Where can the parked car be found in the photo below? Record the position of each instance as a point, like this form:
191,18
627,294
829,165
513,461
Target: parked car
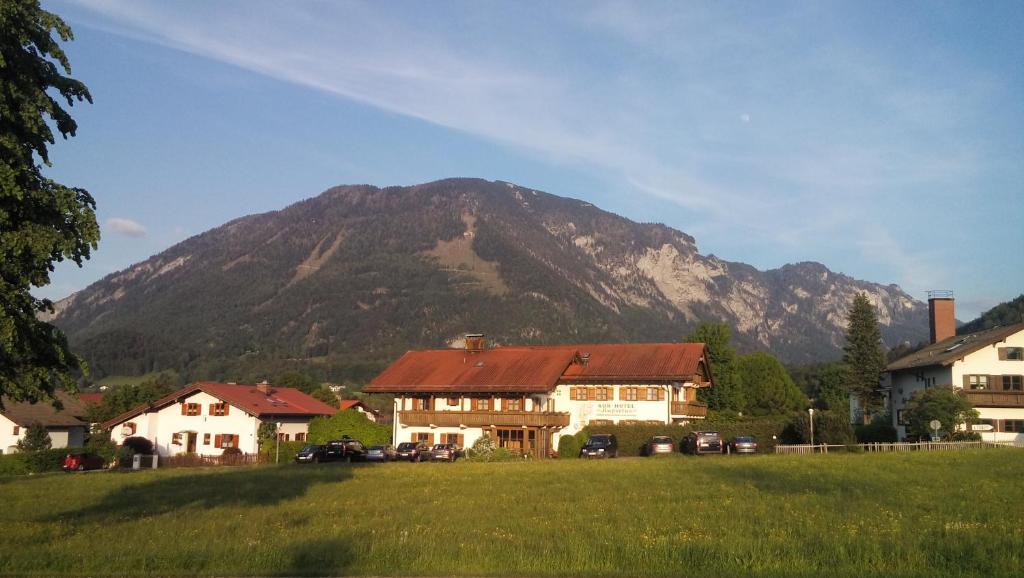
413,451
444,452
385,453
703,442
600,446
743,445
345,449
660,445
82,462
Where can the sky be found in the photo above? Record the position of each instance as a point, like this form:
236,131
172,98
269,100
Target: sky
885,140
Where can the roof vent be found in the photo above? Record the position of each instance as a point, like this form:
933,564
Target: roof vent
585,357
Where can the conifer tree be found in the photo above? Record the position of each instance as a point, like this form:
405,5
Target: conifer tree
727,394
863,356
36,439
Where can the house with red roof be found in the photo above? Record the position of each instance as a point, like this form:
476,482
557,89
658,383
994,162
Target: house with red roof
207,418
526,397
359,406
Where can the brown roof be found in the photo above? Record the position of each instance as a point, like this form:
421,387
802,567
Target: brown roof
953,349
351,403
25,414
536,369
248,398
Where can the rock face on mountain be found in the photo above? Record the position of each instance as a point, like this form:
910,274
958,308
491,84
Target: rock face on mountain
360,274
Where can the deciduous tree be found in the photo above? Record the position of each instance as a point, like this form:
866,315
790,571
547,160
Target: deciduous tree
41,221
943,403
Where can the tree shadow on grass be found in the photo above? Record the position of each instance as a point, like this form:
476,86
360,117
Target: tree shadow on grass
821,480
244,486
319,557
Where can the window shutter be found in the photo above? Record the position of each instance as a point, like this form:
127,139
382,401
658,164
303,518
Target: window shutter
591,393
227,407
234,441
1002,353
430,439
967,381
995,382
661,394
213,409
459,439
184,411
216,441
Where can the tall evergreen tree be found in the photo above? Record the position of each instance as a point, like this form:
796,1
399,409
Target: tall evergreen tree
727,393
863,356
41,221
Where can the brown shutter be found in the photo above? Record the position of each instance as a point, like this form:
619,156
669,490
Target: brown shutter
216,441
430,439
1002,353
227,407
661,394
995,382
967,381
213,410
183,410
459,439
591,393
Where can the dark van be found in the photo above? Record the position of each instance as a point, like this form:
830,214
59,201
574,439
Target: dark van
600,446
703,442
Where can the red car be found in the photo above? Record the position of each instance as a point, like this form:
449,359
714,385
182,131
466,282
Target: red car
82,462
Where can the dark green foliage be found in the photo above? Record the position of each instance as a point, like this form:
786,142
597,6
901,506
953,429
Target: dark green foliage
570,446
944,403
1007,313
48,460
880,430
863,356
137,445
830,427
823,383
121,398
286,450
36,438
266,433
727,394
13,465
99,443
297,380
767,387
349,423
324,394
41,221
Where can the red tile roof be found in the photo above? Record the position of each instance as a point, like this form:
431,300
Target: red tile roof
91,397
505,369
537,369
284,401
350,403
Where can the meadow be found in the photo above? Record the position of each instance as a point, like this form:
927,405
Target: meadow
928,514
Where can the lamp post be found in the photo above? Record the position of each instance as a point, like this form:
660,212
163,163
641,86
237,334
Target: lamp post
810,412
277,441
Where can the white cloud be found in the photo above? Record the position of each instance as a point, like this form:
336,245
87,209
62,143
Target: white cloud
126,227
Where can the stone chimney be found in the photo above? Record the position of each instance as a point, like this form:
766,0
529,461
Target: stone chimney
941,316
263,387
475,342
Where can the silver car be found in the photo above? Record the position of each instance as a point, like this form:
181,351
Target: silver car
659,445
743,445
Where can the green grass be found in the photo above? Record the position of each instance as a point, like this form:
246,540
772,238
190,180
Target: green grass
929,514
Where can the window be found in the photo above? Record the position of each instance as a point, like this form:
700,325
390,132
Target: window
899,417
1011,353
453,401
451,438
977,382
228,441
628,394
602,394
283,437
419,403
300,437
423,437
1013,382
176,439
482,404
1013,425
17,430
206,439
190,409
513,404
655,394
579,393
218,409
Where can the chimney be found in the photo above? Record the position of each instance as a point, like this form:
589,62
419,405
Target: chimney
941,317
263,387
475,342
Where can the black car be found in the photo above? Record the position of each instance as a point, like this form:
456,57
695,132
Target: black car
347,450
703,442
412,451
600,446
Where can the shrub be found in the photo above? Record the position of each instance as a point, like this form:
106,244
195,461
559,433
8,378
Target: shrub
288,450
137,445
232,452
36,439
50,460
13,465
100,444
830,427
965,436
569,446
349,423
880,430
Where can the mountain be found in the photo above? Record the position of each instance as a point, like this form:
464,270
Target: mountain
342,283
1003,314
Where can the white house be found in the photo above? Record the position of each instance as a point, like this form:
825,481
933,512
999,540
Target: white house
524,398
988,366
206,418
65,426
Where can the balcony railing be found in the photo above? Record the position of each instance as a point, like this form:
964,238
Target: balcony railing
483,418
995,398
689,408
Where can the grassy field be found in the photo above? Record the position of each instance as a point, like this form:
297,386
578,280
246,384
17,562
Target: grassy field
935,514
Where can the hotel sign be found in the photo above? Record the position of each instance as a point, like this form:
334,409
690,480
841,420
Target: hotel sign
615,410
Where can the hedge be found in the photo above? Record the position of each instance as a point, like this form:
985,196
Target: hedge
633,438
35,462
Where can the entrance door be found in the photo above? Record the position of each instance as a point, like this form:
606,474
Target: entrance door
191,445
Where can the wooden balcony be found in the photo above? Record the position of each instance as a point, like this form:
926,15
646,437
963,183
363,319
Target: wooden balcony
483,418
689,408
995,398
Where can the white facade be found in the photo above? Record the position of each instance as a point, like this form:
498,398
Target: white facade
901,384
173,431
60,437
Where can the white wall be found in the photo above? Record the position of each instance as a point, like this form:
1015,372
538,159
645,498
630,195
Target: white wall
65,437
905,382
9,441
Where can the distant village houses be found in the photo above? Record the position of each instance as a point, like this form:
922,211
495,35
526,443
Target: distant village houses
526,397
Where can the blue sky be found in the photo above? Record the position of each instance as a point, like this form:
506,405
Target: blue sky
885,140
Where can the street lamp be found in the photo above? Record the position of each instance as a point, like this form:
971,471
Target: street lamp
810,411
277,440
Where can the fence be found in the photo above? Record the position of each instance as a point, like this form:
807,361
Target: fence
893,447
196,460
